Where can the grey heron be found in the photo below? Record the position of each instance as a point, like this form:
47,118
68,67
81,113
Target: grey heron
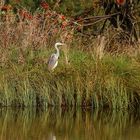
53,60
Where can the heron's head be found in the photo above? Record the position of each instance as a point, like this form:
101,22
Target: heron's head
59,44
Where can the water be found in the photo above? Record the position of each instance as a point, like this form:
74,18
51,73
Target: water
63,124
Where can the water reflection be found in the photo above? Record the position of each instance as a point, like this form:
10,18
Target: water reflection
62,124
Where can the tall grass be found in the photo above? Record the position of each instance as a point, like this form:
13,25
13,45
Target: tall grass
93,76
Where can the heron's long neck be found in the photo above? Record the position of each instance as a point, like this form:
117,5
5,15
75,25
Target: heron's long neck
57,50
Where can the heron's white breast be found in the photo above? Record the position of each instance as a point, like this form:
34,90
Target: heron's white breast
56,63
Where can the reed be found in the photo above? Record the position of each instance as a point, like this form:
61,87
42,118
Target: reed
93,76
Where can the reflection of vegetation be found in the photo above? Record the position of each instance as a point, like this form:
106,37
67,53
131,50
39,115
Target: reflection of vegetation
68,124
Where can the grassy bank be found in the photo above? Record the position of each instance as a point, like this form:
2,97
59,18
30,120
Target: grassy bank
113,81
94,76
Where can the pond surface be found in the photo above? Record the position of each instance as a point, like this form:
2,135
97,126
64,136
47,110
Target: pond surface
62,124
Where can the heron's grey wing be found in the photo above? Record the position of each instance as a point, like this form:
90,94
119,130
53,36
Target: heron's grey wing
53,60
